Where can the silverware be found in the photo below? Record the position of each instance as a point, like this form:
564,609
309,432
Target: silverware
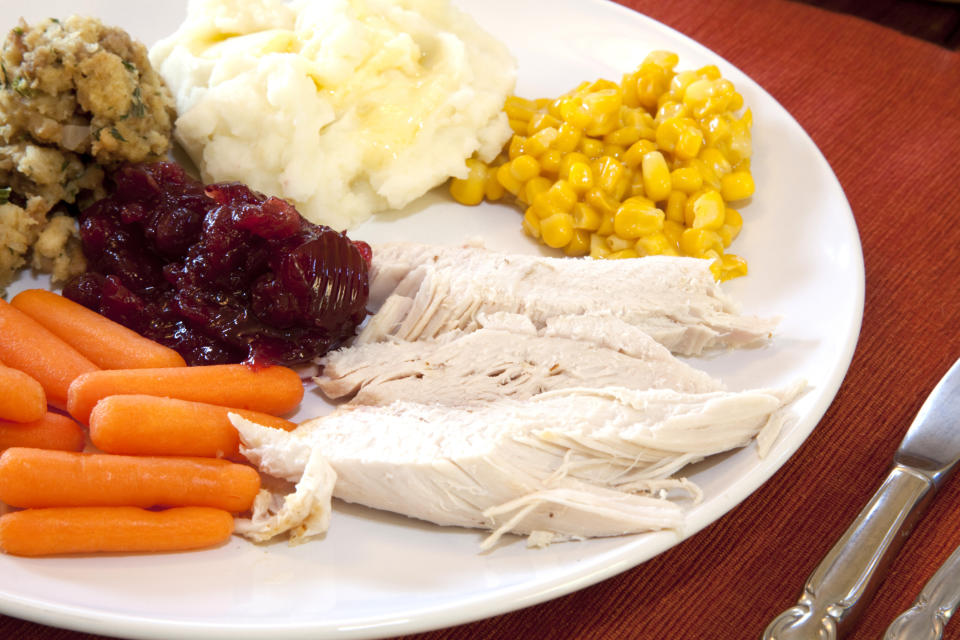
840,587
931,611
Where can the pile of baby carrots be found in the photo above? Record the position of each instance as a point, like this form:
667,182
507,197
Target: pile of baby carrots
167,474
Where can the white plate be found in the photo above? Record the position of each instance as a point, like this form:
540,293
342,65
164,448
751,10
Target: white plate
383,575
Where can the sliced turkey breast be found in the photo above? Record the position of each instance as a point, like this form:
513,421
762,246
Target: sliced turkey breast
423,291
573,463
506,358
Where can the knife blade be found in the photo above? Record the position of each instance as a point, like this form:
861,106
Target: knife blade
843,583
934,606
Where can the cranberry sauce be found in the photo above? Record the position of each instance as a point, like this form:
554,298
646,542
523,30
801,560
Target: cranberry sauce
219,273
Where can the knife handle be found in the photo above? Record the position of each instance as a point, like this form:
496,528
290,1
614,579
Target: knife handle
934,606
845,580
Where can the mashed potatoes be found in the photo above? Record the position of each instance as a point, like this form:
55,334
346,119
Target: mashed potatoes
344,107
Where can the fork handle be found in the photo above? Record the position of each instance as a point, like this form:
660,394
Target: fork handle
846,579
934,606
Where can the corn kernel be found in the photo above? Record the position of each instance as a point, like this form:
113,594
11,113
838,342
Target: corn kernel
686,179
506,179
673,230
732,223
557,230
586,217
616,243
571,109
708,177
700,243
531,223
606,224
622,254
613,150
633,156
708,211
736,102
568,137
654,244
710,72
736,186
716,130
598,246
518,126
624,136
610,171
524,167
550,162
469,190
580,177
679,136
636,184
728,266
715,159
562,195
676,204
579,244
492,189
656,176
622,186
679,84
637,217
601,201
704,97
652,80
516,146
603,102
539,142
569,159
591,147
541,121
533,188
519,108
669,110
665,59
733,218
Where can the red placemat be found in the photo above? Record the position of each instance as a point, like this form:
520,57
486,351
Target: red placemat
885,110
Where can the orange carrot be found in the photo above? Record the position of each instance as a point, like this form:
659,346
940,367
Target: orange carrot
26,345
52,431
148,425
21,397
273,390
106,343
43,532
46,478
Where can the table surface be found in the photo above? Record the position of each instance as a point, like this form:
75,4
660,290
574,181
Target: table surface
883,107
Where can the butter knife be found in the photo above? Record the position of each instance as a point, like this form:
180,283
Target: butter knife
934,606
839,588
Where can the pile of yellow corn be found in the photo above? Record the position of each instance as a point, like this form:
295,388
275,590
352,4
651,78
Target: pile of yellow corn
645,167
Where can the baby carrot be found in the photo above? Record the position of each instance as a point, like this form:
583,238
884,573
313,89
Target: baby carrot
46,478
148,425
43,532
21,397
273,390
26,345
52,431
106,343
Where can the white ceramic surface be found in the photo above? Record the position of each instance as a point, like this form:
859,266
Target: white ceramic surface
381,575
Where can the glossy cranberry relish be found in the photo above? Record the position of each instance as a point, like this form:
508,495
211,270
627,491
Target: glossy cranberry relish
219,273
